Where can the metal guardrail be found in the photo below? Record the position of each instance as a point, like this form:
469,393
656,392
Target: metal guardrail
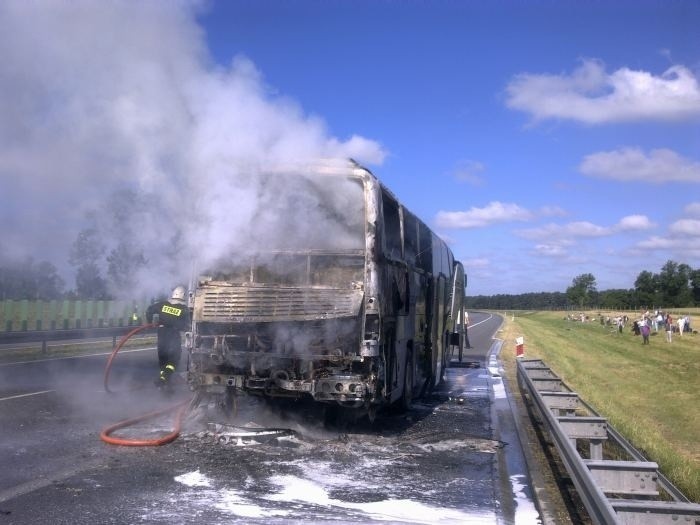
46,336
613,491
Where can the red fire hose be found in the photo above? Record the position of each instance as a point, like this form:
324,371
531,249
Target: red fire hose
128,442
123,340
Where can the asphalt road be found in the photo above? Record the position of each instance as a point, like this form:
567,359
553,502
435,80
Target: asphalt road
453,458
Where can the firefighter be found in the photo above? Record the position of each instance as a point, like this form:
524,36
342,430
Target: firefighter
173,318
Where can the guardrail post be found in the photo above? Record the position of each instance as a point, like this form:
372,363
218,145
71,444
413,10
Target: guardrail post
44,346
540,372
547,385
561,403
631,478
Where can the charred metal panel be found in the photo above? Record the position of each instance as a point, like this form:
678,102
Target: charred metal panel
240,303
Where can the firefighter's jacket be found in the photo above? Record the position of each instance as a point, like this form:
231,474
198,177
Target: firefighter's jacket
170,314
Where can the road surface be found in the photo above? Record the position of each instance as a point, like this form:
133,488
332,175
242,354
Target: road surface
453,458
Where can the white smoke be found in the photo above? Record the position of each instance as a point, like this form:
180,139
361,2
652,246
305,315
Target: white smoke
116,108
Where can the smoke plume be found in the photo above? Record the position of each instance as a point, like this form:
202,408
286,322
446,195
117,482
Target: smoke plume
114,116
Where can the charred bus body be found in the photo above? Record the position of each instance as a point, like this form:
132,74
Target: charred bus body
363,315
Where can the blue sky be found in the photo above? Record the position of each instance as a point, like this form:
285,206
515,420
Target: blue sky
541,139
435,84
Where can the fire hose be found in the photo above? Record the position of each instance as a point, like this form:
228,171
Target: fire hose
105,435
130,442
122,341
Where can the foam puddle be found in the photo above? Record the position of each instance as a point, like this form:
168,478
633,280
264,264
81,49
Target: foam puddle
315,500
295,489
193,479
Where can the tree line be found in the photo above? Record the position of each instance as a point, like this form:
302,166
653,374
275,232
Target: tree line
97,272
104,257
29,279
676,285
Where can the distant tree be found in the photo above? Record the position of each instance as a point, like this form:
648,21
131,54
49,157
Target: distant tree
85,255
123,263
617,299
49,284
128,212
646,287
89,283
27,280
674,284
582,291
695,286
11,281
526,301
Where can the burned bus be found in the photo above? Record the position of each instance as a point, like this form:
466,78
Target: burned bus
347,299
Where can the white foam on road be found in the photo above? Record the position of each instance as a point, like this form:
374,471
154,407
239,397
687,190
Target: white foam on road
193,479
314,493
295,489
525,511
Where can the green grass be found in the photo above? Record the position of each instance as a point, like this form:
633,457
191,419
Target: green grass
649,393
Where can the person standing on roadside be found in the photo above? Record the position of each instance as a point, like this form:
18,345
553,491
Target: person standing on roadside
645,333
681,325
669,328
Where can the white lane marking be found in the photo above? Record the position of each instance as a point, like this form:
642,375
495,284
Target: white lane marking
26,395
482,321
75,357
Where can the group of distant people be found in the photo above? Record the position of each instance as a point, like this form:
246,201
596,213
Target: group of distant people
665,321
658,320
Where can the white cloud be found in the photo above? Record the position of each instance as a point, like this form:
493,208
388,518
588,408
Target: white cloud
632,164
683,248
682,239
693,209
592,96
634,222
551,250
495,212
657,243
686,227
569,230
585,229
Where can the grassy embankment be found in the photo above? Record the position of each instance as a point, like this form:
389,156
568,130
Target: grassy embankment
649,393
